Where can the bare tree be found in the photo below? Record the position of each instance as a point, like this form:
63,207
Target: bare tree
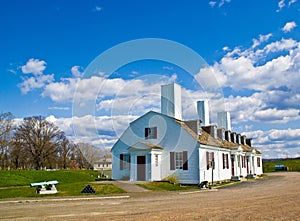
88,154
6,126
66,152
41,141
19,159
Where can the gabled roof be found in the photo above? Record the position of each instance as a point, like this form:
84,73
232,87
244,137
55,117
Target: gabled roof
207,139
140,146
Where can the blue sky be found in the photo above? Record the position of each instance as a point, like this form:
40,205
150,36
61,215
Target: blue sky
252,49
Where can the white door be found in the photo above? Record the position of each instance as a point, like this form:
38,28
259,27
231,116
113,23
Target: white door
155,167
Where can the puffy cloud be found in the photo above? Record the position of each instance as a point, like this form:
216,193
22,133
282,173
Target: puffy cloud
35,82
34,66
277,143
258,69
289,26
284,135
269,107
101,131
61,91
273,115
269,72
76,71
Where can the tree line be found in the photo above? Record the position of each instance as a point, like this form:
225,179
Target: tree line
36,143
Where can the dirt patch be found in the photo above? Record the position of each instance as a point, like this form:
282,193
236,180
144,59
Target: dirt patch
272,198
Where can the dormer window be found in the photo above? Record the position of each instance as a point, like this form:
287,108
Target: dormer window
150,133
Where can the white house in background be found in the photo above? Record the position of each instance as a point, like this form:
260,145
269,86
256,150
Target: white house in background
158,145
103,164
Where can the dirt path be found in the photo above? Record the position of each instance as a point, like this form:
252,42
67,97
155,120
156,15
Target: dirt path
274,198
129,187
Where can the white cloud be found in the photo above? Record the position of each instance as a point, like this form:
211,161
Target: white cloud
222,2
34,66
35,82
284,135
62,91
225,48
277,143
219,3
261,39
101,131
268,72
258,69
76,71
273,115
292,2
281,4
212,3
289,26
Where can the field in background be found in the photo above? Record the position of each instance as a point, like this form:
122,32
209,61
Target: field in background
292,164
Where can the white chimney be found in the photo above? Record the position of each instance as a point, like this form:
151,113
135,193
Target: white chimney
224,120
171,100
203,112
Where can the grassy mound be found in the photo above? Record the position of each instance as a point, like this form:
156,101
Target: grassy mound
14,184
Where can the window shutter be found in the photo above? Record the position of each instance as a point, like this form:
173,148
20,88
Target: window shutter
223,157
155,132
227,163
213,159
207,160
172,162
121,161
242,161
185,160
146,133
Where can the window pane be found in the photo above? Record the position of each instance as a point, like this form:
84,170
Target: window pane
151,133
179,160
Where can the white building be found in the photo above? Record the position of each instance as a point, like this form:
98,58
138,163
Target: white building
104,164
158,145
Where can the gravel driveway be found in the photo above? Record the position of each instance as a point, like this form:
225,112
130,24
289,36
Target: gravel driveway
276,197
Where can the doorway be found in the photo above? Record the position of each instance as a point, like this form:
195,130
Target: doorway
141,168
232,166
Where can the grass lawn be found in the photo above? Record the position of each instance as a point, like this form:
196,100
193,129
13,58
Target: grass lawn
158,186
292,164
14,184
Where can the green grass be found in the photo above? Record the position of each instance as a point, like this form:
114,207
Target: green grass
14,184
159,186
292,164
25,177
